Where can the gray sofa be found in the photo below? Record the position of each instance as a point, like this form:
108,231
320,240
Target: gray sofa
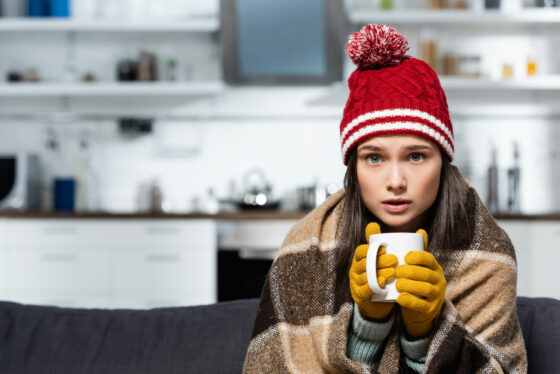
201,339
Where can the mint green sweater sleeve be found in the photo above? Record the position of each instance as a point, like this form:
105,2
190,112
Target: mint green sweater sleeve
415,352
367,338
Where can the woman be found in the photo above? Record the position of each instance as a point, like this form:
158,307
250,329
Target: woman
456,311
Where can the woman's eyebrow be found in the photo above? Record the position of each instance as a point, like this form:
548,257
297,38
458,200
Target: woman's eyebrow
417,147
370,148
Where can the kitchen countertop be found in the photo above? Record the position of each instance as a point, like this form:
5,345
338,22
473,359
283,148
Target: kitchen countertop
241,215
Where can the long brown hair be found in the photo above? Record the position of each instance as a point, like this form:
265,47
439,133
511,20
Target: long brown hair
445,222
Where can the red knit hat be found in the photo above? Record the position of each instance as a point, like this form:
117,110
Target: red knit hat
391,93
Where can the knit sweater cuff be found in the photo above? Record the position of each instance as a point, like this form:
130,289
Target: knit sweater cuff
415,352
415,349
369,330
366,338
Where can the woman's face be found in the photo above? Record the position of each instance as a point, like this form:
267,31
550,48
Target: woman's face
399,179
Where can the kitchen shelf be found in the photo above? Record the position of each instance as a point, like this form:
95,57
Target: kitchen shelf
198,24
536,83
339,94
420,17
223,216
111,89
220,216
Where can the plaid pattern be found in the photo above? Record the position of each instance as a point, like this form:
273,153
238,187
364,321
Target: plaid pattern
304,312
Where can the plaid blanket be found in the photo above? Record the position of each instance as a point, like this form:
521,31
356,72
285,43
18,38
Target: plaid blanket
304,312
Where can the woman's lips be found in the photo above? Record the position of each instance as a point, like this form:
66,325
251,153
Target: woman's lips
396,206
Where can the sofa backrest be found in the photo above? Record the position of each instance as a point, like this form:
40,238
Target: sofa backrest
540,323
202,339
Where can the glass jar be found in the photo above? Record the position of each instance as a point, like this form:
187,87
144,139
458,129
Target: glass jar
531,66
469,66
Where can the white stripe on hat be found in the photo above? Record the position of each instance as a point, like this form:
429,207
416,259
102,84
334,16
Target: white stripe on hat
396,112
415,126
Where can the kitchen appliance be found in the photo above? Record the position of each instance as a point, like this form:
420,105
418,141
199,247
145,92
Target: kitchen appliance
492,201
246,250
310,197
271,42
258,192
20,181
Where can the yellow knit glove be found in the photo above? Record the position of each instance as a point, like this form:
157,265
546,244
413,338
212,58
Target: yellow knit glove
361,293
422,286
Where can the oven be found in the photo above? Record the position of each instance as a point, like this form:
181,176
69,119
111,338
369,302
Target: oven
246,250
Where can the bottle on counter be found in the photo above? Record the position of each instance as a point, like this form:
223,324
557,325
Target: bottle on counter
492,4
87,189
147,67
450,64
428,48
531,66
37,8
156,197
507,71
386,4
492,199
59,8
469,66
171,72
60,173
513,182
13,8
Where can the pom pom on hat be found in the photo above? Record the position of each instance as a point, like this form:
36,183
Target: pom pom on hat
376,46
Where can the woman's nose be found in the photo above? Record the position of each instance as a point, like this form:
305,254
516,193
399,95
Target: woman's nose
396,179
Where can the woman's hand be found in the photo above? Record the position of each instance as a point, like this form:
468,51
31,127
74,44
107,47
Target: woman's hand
421,284
361,293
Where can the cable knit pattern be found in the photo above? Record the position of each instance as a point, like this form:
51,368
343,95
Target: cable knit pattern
412,90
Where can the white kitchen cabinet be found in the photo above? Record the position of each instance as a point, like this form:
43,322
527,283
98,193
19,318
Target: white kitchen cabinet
58,268
537,246
124,263
178,268
545,257
519,233
4,260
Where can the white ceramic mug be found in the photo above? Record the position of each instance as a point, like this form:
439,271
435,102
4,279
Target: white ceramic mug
398,244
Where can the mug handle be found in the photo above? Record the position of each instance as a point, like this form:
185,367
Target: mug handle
371,265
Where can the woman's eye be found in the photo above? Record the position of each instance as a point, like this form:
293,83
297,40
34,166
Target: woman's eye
416,157
374,159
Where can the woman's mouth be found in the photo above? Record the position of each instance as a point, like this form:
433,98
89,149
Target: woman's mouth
396,205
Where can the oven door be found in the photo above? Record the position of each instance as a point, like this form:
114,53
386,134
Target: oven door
242,272
246,250
7,180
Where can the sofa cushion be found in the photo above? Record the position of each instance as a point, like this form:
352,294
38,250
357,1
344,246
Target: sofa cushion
540,322
201,339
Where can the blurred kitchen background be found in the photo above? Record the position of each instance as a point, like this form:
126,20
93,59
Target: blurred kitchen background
156,152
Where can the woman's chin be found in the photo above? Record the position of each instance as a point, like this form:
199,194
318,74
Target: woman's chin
397,224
